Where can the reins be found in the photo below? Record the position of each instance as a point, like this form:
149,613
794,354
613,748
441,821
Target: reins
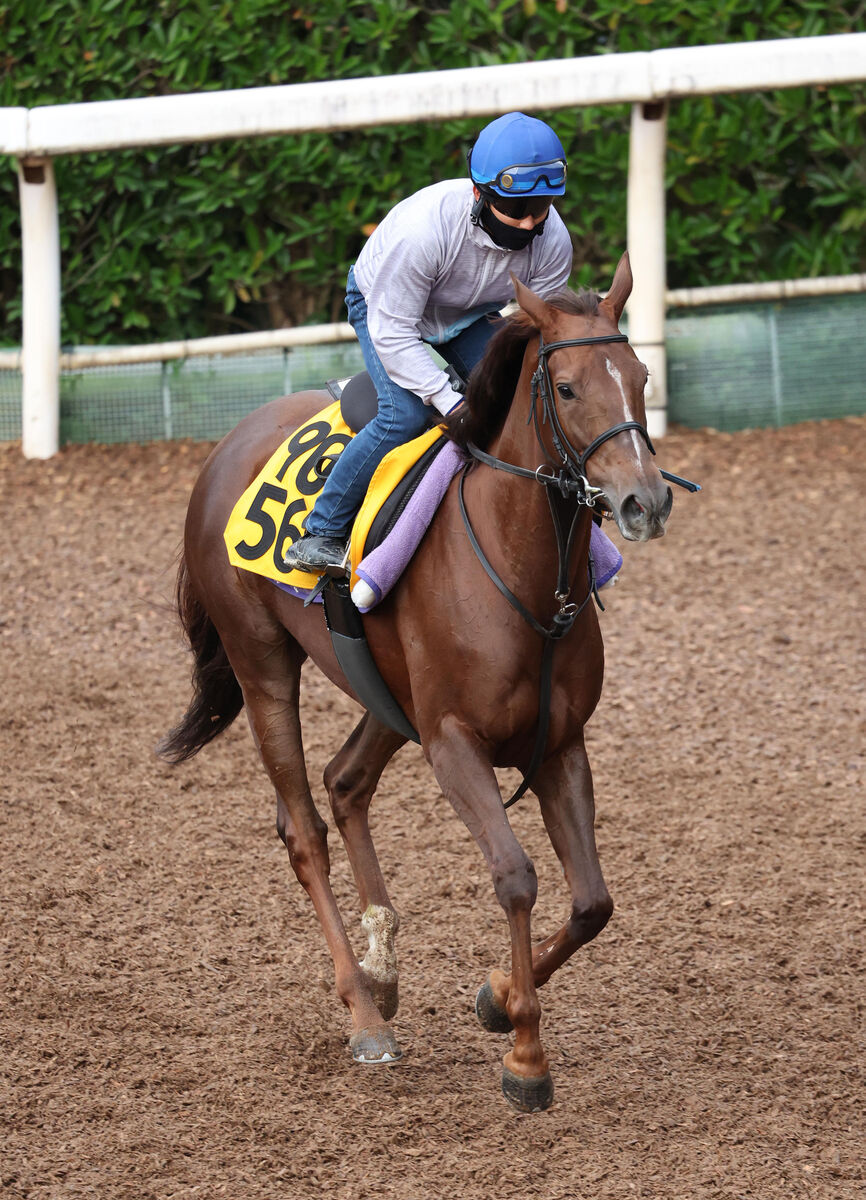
569,478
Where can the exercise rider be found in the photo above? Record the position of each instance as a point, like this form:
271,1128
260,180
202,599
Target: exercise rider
437,270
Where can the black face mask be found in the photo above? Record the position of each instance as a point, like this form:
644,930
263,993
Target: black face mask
506,236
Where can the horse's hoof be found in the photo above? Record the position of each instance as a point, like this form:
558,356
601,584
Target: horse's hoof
493,1018
527,1095
375,1046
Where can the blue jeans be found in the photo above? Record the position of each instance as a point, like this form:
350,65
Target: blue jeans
401,416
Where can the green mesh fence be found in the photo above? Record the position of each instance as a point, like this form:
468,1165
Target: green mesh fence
744,366
10,406
732,367
201,398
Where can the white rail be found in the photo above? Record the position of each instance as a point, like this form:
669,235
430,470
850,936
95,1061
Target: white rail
232,343
433,95
342,331
647,80
783,289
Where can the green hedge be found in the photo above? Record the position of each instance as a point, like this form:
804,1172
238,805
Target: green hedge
191,240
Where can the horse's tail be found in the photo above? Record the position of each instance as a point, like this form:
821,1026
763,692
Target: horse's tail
217,697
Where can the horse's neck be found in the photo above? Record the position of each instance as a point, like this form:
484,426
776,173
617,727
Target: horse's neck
517,441
525,439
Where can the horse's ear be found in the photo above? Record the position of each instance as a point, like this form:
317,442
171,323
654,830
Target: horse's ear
620,290
534,307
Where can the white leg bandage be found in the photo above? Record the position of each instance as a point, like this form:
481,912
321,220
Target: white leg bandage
380,925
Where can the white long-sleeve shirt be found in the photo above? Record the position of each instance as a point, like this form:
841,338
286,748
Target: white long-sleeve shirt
427,273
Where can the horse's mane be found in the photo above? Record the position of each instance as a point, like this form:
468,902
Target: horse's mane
494,380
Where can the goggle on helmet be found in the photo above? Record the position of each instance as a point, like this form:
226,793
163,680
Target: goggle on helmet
518,157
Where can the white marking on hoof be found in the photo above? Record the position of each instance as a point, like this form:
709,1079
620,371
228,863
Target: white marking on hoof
384,1058
373,1047
380,925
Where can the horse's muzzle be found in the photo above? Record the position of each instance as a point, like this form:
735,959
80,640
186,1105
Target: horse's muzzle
642,514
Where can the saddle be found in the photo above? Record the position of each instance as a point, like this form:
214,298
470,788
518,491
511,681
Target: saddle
359,402
270,514
357,397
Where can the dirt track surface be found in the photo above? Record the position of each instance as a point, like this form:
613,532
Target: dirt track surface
168,1022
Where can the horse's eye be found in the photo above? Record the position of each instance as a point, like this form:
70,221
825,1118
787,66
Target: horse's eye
565,391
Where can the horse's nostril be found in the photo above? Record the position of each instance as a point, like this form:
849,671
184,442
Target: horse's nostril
632,510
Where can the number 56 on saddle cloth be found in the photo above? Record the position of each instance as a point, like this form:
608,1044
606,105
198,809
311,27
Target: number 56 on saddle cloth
270,514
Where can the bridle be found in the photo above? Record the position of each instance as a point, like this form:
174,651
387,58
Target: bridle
568,477
570,473
573,462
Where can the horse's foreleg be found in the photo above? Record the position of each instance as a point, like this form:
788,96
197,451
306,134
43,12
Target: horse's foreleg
564,789
351,779
466,777
269,675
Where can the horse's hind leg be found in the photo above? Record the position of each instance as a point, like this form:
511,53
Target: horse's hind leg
351,778
268,669
564,789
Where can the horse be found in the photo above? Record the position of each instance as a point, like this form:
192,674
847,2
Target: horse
492,617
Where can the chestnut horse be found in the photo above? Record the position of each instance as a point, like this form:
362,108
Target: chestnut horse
501,573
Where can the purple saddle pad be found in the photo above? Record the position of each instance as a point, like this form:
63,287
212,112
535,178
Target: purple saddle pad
382,567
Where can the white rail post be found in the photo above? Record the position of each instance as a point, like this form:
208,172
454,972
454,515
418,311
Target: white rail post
40,357
646,248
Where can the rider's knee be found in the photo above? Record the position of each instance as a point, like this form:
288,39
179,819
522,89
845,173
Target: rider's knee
408,427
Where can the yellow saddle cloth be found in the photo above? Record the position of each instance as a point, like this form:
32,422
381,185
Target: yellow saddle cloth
270,514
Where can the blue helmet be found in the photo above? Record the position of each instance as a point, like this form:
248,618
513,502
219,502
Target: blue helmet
516,155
